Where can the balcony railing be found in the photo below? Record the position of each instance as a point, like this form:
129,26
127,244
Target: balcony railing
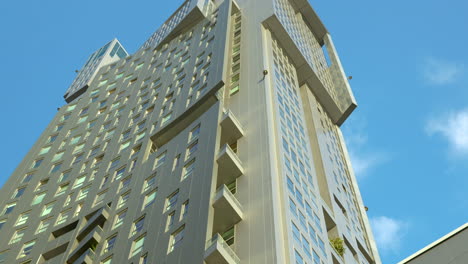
218,251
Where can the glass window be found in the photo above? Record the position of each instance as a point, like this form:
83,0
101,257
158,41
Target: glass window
137,246
37,163
79,182
2,223
47,209
9,208
58,156
63,217
194,133
27,248
176,238
64,176
83,193
110,242
38,198
119,219
299,259
138,225
100,198
19,192
27,177
119,173
149,199
185,209
44,150
107,261
123,199
192,149
150,183
172,200
160,159
17,236
188,169
170,220
43,225
22,219
56,167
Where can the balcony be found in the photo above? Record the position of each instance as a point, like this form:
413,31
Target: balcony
87,257
228,210
218,252
229,166
87,243
231,129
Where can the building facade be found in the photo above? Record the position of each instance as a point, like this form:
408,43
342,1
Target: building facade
218,141
449,249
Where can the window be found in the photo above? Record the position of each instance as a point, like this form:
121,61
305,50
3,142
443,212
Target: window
22,219
292,207
110,242
17,236
188,169
43,225
150,183
299,259
38,198
170,220
137,246
9,208
41,185
176,238
166,118
144,259
64,176
79,182
107,261
19,192
37,163
2,222
125,183
123,199
26,250
3,256
306,246
192,149
78,209
78,158
119,219
140,135
58,156
185,209
149,199
125,145
100,198
194,133
75,140
27,177
44,150
171,200
119,173
83,193
56,167
63,217
160,159
47,209
296,233
136,150
138,225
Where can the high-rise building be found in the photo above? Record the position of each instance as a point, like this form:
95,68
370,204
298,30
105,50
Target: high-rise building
218,141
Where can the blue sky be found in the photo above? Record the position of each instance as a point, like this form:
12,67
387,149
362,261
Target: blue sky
408,138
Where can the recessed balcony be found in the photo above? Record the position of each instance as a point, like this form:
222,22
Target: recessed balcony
218,252
228,210
229,165
231,129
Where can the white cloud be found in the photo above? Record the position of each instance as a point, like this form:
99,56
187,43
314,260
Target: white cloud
363,156
388,232
439,72
454,127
